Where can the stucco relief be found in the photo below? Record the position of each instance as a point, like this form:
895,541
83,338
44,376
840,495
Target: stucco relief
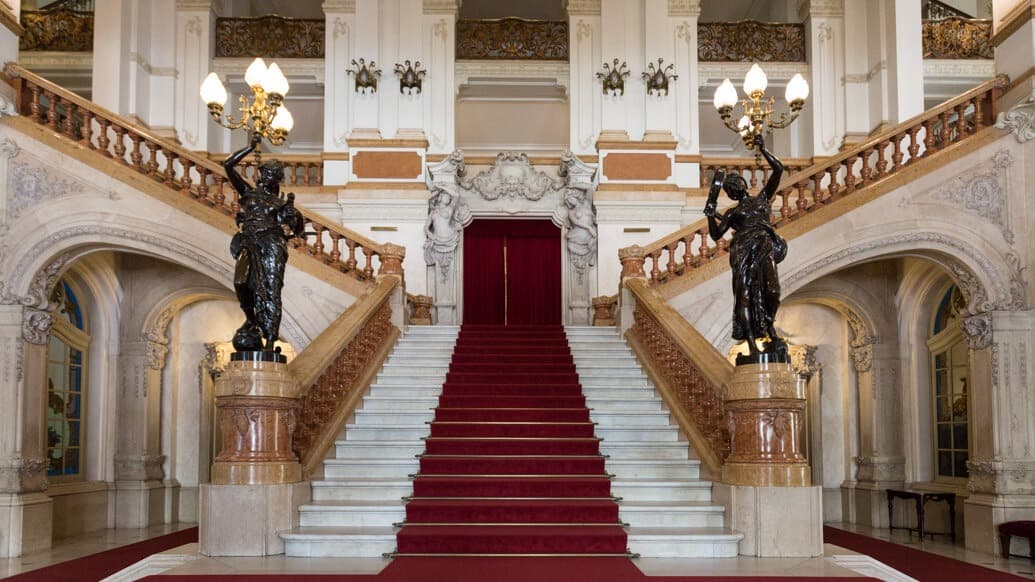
448,214
977,331
982,191
577,215
1019,120
511,176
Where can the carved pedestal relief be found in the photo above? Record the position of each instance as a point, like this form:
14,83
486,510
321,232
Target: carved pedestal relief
511,187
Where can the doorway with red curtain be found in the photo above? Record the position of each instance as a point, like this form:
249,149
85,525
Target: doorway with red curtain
512,272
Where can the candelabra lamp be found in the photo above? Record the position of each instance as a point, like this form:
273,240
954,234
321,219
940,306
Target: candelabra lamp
263,113
757,110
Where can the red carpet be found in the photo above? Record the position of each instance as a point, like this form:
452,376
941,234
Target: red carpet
913,562
511,465
104,564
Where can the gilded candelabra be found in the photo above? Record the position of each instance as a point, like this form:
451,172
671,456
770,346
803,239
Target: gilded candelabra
758,117
264,113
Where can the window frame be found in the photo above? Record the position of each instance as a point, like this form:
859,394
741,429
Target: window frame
943,343
77,339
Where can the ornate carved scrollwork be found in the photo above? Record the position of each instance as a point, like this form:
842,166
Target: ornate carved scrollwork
958,38
696,396
612,78
512,38
411,77
658,78
365,74
750,40
340,378
60,30
270,37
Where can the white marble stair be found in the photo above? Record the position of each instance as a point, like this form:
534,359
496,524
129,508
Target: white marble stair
667,505
357,503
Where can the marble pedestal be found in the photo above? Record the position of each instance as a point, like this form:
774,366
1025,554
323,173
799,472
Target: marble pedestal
26,520
243,520
256,477
777,522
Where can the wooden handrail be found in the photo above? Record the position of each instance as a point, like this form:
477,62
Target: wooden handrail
337,367
828,181
194,175
688,371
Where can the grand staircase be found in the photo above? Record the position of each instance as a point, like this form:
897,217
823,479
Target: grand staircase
522,440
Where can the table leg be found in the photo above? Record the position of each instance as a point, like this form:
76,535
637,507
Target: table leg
1004,544
952,517
891,514
920,518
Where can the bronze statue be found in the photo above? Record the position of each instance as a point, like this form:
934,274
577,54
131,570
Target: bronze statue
755,250
260,248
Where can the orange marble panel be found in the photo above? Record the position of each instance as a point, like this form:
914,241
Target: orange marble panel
637,166
376,165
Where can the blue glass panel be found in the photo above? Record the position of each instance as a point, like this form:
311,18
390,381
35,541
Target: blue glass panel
71,461
945,463
74,428
73,411
959,462
944,313
54,465
75,314
75,357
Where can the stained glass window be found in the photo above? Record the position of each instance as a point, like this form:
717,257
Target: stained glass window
950,368
66,385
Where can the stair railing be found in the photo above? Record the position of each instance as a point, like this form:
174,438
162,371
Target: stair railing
338,367
689,373
688,250
193,176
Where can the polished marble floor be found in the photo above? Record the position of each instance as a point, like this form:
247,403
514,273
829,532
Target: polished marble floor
100,541
943,546
84,545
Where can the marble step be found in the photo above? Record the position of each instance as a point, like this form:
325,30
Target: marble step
352,514
319,542
421,389
400,468
630,418
664,490
609,371
397,416
638,434
356,432
409,378
675,515
613,359
379,490
593,393
615,382
378,402
625,404
377,450
654,468
647,451
659,542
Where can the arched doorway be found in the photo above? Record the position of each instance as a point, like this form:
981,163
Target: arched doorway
512,272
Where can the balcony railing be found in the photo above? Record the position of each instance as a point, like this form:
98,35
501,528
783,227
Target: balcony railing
512,38
270,37
59,28
750,40
958,38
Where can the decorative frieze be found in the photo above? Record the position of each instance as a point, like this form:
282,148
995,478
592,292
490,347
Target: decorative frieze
512,38
21,475
58,30
139,467
270,37
750,41
958,38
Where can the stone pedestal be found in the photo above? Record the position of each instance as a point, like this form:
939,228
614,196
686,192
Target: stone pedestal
422,305
777,522
257,402
256,477
244,520
765,403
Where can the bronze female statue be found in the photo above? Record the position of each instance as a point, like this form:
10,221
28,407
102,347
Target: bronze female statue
755,250
260,248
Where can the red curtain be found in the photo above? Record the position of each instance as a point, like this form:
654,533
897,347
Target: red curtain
524,286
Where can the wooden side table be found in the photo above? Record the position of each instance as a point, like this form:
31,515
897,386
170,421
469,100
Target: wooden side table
920,499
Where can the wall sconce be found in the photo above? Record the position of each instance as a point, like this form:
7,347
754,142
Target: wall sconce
658,78
411,77
613,77
366,76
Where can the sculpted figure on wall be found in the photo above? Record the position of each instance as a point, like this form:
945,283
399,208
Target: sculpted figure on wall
755,250
260,248
447,215
577,214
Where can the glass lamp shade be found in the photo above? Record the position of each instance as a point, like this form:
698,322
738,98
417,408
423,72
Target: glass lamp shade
725,95
282,121
256,73
755,81
212,90
797,89
274,82
744,125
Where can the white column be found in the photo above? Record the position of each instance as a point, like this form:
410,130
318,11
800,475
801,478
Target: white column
622,31
112,40
905,58
440,53
860,38
153,67
682,32
139,495
584,59
1013,30
195,41
388,95
824,31
10,30
338,90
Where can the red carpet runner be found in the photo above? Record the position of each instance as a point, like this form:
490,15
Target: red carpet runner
512,465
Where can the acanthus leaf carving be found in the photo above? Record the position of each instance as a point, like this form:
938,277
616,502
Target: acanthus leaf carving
977,330
511,175
1019,120
862,358
36,326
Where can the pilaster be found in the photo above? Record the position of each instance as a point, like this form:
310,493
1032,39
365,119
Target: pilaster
438,100
112,38
905,58
338,89
825,45
139,491
1013,35
195,45
10,30
682,29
